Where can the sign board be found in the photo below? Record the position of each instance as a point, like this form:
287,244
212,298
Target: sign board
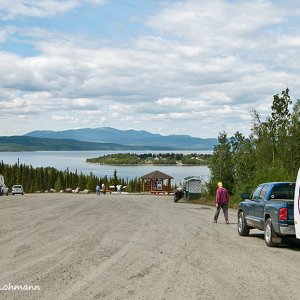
297,206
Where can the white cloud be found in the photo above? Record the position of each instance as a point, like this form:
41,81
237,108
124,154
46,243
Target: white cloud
211,21
42,8
169,101
67,118
204,63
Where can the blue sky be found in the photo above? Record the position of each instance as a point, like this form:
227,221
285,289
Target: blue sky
169,67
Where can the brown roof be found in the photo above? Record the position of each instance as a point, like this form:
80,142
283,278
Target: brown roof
156,175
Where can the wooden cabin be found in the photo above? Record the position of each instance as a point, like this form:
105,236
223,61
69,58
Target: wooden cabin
156,182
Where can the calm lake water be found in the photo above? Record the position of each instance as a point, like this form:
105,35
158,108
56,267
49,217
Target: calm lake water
76,160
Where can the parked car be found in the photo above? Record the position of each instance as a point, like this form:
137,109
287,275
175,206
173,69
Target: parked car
269,208
17,189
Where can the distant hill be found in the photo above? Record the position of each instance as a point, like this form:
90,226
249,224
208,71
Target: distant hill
129,137
28,143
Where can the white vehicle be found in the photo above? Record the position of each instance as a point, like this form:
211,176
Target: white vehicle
17,189
297,206
3,187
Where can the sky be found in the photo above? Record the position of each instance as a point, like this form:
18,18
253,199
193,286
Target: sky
194,67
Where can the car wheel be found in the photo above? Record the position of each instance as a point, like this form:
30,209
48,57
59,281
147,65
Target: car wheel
271,238
243,228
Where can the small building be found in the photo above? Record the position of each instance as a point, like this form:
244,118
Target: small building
192,187
156,182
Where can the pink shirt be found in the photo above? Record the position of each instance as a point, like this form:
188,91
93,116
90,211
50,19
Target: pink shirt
222,196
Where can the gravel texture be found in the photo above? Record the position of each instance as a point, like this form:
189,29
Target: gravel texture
76,246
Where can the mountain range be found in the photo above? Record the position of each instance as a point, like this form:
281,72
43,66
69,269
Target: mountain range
105,138
130,137
28,143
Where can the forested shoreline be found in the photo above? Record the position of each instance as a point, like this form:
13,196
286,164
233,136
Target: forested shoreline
48,178
152,159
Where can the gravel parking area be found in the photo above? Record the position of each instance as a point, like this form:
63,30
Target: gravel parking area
76,246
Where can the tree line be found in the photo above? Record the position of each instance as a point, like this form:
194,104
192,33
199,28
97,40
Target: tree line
46,178
270,153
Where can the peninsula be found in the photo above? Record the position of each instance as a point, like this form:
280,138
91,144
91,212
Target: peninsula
152,159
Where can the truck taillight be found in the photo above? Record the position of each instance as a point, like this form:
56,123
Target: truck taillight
283,214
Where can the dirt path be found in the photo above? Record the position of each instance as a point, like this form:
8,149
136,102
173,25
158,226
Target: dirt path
135,247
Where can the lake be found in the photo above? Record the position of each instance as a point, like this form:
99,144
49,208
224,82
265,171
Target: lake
76,160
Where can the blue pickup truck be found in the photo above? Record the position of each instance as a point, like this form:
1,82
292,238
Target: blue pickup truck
269,208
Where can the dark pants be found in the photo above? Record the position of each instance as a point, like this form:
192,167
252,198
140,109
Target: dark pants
225,211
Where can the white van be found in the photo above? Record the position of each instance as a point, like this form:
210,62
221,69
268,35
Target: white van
297,206
3,188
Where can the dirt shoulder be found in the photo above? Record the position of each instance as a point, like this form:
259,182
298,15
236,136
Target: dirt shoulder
75,246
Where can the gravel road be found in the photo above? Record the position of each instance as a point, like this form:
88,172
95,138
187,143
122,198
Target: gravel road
75,246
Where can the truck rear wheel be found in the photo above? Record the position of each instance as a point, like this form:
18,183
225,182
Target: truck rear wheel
271,238
243,228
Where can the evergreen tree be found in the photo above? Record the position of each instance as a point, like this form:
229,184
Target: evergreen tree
294,157
273,141
221,165
115,178
92,181
243,158
58,185
279,123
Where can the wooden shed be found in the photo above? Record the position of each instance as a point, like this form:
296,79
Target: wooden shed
156,182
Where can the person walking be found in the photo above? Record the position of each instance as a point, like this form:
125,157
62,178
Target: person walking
222,199
103,188
98,190
119,189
